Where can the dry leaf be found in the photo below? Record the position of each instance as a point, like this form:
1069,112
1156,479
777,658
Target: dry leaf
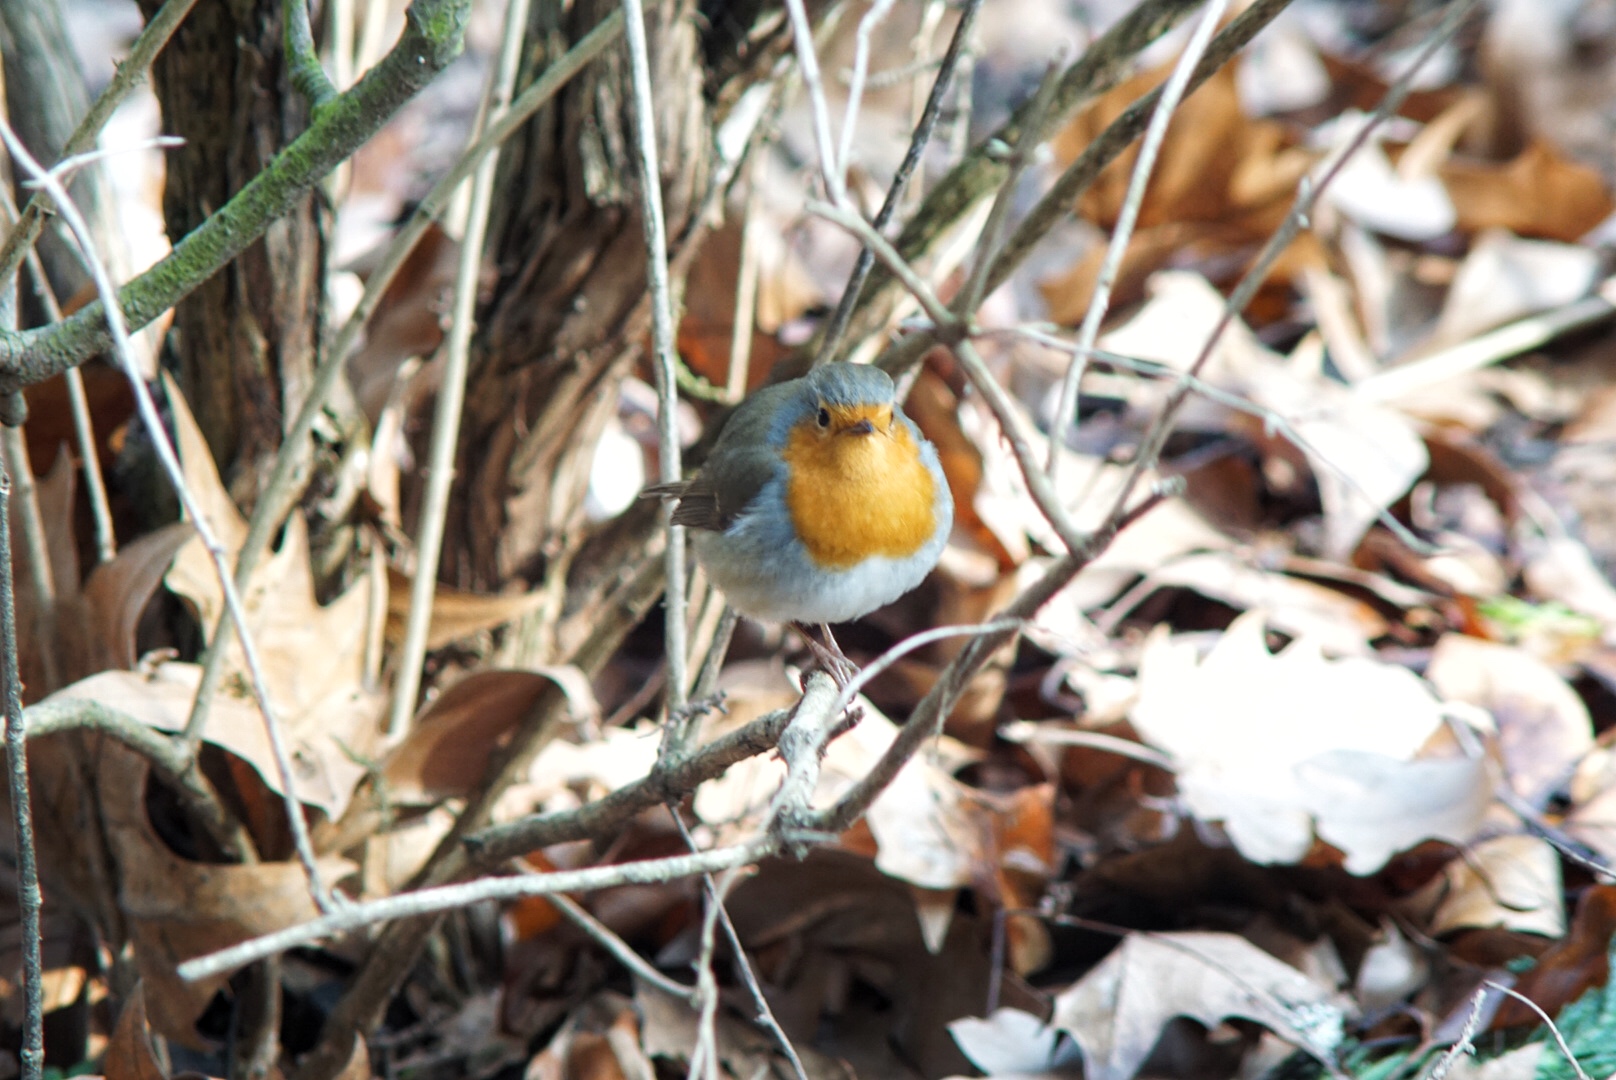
178,909
1543,726
129,1053
455,614
1117,1011
1539,193
314,657
1280,747
324,773
1511,882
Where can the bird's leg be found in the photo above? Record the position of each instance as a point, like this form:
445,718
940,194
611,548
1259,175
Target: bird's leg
829,654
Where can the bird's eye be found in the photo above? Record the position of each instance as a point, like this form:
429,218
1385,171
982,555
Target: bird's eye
824,417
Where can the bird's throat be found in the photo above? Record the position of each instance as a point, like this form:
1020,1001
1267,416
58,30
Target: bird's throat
853,496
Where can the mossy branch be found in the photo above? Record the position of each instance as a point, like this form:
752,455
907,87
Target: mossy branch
434,32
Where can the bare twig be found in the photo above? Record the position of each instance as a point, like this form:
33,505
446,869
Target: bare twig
918,141
95,487
440,471
675,630
873,17
606,815
169,760
619,948
802,33
1017,159
1548,1021
302,62
147,409
1056,203
356,916
32,1054
41,576
1144,164
716,891
433,35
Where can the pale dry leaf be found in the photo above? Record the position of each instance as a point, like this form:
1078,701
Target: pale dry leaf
1280,747
1562,569
1117,1011
314,657
1512,882
1009,1041
1543,725
324,773
1392,969
455,614
1376,196
1341,624
1505,278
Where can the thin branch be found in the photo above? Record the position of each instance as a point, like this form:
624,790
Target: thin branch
169,760
1548,1020
980,173
36,545
716,892
302,62
880,664
290,471
610,813
675,628
1122,233
1019,157
802,34
443,898
1062,195
873,17
452,386
1007,413
881,248
918,142
619,948
32,1053
130,74
153,423
95,486
433,34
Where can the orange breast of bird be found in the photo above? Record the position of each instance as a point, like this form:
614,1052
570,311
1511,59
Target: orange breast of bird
855,496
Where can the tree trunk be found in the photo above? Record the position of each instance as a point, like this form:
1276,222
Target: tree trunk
243,344
570,309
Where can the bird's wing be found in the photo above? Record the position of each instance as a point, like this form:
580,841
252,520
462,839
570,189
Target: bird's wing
715,497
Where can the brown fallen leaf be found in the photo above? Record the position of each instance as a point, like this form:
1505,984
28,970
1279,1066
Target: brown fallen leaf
178,909
1117,1011
455,614
1539,193
129,1053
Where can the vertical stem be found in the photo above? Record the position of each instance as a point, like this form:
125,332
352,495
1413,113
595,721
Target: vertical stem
28,898
662,342
452,391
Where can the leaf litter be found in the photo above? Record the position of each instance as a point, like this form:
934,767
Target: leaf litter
1271,777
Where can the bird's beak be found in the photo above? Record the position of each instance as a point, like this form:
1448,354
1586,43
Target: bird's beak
863,427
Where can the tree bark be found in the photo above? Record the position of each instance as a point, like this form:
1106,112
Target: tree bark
244,343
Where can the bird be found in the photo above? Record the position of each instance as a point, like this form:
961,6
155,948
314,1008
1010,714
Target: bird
819,503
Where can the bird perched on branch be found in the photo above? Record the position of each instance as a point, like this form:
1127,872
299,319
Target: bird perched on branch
819,503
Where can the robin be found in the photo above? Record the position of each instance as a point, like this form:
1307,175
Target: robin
820,501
